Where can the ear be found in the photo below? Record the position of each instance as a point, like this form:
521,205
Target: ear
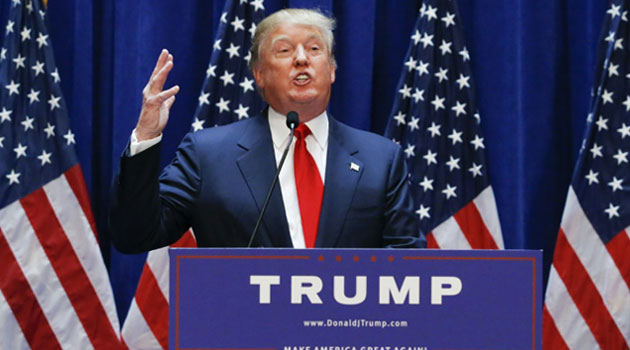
258,76
333,69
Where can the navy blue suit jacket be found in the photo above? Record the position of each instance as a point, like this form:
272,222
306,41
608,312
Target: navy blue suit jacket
219,179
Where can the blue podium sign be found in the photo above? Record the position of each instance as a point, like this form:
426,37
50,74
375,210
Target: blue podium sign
355,299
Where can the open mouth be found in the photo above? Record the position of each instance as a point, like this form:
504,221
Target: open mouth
302,79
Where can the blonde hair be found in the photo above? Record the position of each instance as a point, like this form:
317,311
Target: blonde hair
309,17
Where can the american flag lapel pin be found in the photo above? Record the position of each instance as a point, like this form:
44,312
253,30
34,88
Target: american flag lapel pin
354,166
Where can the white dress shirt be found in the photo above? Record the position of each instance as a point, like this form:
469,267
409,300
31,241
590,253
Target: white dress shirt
136,146
316,144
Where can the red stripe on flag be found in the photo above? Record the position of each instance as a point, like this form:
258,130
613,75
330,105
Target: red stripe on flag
23,302
585,295
618,248
552,339
68,268
124,345
187,240
74,176
153,305
431,242
473,227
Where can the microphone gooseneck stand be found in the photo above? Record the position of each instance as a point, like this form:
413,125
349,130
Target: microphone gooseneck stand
292,122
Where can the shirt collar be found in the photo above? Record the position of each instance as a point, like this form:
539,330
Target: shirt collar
280,134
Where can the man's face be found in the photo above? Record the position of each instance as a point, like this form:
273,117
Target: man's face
295,72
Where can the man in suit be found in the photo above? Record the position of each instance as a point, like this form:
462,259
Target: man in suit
340,187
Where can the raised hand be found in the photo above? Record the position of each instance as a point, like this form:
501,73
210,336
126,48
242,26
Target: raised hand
156,103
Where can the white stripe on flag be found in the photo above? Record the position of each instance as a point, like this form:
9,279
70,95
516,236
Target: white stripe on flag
487,207
566,315
136,332
600,267
448,235
83,241
158,261
43,280
12,337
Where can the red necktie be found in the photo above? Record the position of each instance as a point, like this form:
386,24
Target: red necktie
308,183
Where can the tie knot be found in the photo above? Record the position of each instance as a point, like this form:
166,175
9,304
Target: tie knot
302,131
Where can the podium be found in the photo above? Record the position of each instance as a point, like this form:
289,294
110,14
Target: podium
355,299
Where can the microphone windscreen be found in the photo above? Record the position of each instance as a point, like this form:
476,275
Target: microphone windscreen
292,120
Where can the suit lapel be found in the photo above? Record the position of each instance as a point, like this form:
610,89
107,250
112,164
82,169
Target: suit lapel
258,167
341,181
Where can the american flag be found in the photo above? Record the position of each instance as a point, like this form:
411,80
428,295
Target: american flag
55,291
587,304
228,94
436,121
146,325
229,91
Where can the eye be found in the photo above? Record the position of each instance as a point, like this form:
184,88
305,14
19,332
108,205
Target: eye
281,48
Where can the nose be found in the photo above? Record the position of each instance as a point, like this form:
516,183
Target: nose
300,56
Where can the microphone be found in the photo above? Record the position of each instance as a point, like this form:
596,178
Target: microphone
292,122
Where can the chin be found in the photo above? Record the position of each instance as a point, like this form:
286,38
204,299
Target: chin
304,98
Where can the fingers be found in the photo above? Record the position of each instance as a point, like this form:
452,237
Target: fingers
157,82
160,62
169,102
167,94
155,102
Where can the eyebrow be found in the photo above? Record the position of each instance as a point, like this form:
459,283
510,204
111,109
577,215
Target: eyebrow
286,38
